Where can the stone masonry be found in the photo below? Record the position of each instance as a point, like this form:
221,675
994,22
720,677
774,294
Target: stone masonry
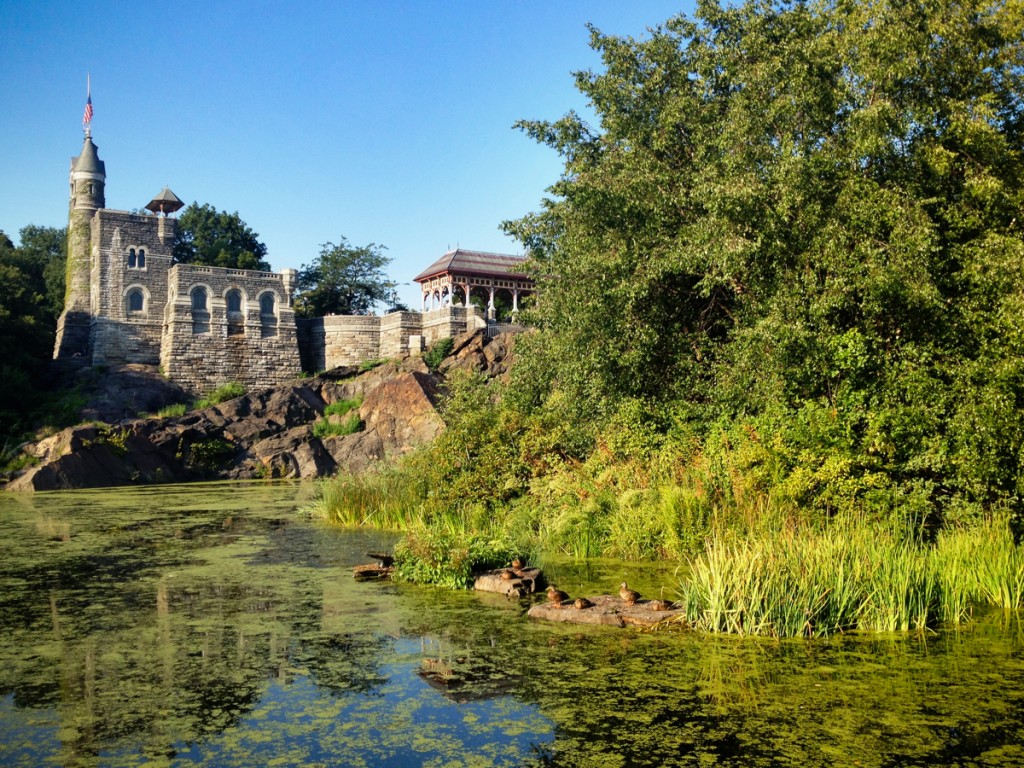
250,339
328,342
128,303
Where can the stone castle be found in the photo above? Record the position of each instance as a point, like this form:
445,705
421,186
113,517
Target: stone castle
128,302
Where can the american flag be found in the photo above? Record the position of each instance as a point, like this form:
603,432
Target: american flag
87,115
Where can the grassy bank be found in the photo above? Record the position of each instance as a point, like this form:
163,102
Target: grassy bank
752,568
782,535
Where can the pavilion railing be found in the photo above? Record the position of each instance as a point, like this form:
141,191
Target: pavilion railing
495,329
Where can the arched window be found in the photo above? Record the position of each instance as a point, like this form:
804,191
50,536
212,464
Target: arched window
268,319
236,320
267,304
200,311
142,258
132,259
136,300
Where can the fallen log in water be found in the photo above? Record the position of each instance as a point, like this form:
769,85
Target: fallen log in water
606,610
517,582
372,572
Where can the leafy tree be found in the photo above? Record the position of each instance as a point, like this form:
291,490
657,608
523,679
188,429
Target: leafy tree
217,238
344,280
30,300
804,217
43,254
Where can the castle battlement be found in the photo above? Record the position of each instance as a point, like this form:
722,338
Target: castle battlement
128,302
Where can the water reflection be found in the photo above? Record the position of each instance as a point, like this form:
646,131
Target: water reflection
216,626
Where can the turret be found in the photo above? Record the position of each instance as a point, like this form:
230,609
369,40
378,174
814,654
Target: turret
88,179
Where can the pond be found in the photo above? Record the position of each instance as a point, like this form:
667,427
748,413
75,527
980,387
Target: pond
217,625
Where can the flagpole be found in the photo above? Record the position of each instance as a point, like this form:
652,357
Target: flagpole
87,115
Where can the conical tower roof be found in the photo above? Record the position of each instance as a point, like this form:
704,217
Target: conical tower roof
89,161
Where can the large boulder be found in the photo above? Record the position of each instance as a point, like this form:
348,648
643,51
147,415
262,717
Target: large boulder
402,411
265,433
294,453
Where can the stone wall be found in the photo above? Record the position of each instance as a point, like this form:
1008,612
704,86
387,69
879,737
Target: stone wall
131,252
208,326
337,340
401,333
202,349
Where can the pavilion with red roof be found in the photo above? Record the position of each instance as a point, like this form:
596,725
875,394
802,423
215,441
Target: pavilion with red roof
461,275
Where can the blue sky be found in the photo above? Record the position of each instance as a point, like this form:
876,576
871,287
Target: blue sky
384,122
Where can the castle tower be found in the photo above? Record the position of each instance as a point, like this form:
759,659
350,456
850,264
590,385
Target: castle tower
88,179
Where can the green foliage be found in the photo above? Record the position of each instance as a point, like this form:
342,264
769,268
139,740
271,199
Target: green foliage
206,455
804,219
345,426
851,576
115,438
449,558
217,238
172,411
31,298
221,394
438,351
339,419
15,461
344,280
341,407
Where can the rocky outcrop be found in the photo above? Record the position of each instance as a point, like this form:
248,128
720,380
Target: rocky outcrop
266,433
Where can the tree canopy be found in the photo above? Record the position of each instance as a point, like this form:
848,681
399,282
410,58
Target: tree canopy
344,280
805,218
218,239
31,298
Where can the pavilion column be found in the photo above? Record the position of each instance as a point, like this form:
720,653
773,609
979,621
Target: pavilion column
490,305
466,287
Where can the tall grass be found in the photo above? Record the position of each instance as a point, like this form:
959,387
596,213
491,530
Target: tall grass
850,576
384,500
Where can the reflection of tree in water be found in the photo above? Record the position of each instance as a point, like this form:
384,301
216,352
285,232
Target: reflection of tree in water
161,642
627,698
166,640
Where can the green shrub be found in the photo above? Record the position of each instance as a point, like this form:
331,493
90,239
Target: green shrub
206,455
221,394
341,407
449,558
438,351
15,462
347,426
172,411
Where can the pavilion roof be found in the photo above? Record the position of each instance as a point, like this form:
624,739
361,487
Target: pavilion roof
475,263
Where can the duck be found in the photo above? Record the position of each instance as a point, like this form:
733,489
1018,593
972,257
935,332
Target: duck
556,596
581,603
660,605
507,575
386,561
629,597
